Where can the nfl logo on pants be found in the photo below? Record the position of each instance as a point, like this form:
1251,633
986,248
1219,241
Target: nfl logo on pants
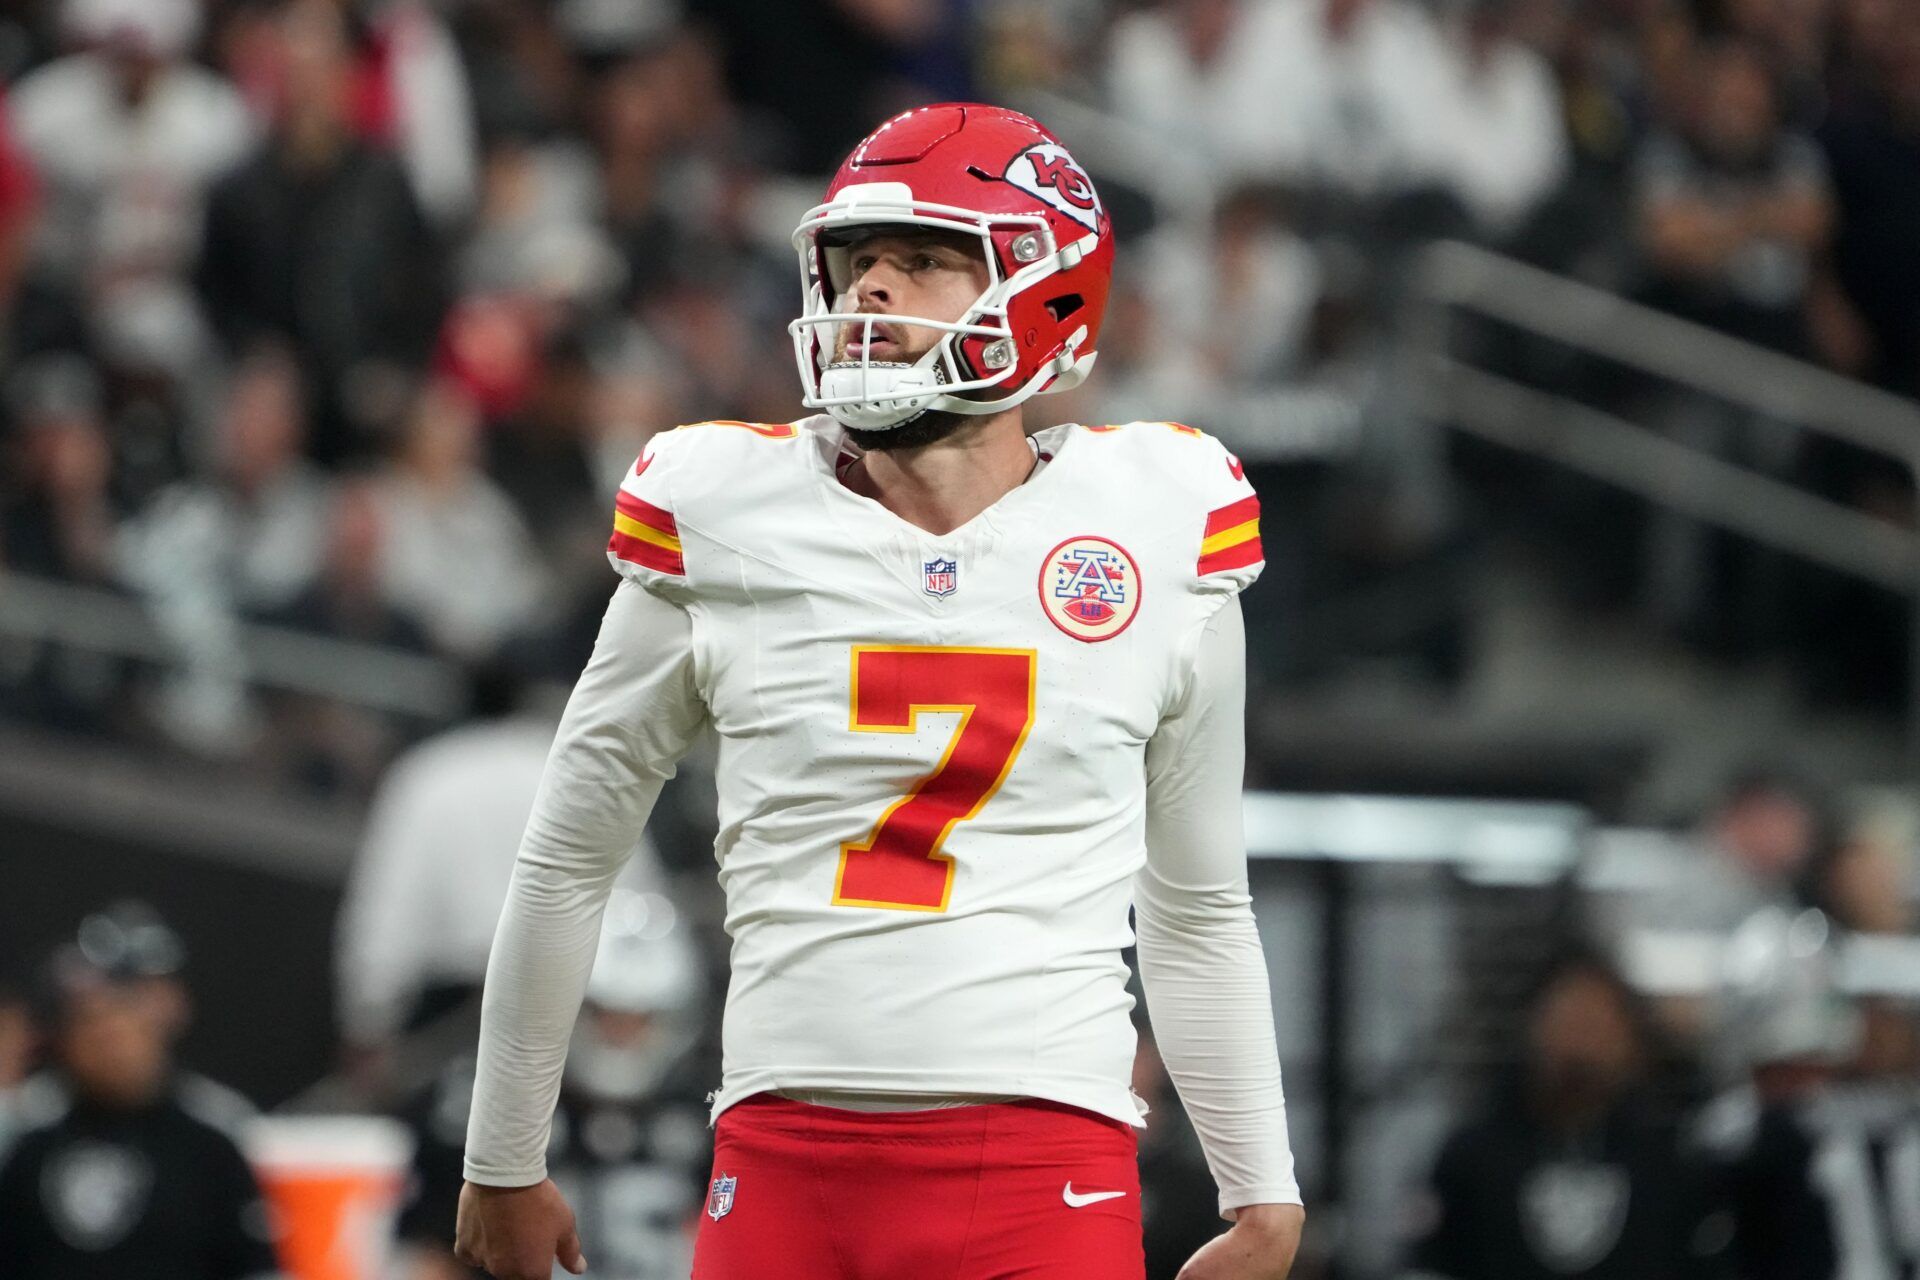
720,1199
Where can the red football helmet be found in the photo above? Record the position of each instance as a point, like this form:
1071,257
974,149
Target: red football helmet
984,171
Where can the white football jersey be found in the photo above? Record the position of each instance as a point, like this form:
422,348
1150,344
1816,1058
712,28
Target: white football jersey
931,774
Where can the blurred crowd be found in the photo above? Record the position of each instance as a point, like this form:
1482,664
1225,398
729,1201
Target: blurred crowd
345,315
1716,1073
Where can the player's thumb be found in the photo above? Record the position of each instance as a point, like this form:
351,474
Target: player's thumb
569,1253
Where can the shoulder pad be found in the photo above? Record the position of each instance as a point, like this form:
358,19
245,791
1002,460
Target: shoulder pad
680,472
1218,510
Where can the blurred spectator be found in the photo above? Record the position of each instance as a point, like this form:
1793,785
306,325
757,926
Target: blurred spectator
425,893
636,394
663,133
59,518
1182,71
130,940
347,598
1757,845
318,242
1349,96
248,536
1363,100
1572,1172
1872,140
536,237
407,89
410,93
331,746
540,454
1767,830
123,1181
1735,206
810,75
128,134
242,541
1508,145
1797,1160
630,1147
1233,307
457,555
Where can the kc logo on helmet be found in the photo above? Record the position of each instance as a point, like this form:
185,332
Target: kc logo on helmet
1047,171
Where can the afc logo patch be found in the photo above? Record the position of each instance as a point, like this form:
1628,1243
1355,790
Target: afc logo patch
1090,588
940,578
1046,170
720,1199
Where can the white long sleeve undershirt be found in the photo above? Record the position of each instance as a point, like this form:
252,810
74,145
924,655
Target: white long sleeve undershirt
1201,962
635,711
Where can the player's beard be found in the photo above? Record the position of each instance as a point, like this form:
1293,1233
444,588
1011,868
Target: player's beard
930,427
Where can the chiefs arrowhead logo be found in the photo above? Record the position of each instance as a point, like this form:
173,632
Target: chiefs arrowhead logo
1046,170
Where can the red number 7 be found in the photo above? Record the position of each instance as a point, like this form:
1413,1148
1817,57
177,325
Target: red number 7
899,865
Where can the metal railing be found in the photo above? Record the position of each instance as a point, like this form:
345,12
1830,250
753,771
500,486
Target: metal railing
1460,278
276,658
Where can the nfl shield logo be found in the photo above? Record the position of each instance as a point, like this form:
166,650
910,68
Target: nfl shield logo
942,576
720,1199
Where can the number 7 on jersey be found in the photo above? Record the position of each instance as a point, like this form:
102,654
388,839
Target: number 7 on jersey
900,865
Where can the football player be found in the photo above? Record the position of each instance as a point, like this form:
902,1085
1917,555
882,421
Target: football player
978,689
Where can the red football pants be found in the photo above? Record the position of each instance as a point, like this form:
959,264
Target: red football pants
960,1193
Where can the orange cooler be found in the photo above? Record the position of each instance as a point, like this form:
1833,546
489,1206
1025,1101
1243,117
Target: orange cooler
334,1183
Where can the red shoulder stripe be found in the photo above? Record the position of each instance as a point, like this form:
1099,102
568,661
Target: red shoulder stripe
1237,556
646,513
646,554
1248,508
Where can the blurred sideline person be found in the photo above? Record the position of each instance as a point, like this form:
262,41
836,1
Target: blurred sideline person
1572,1173
1761,843
927,1048
123,1181
148,958
424,894
630,1146
1819,1159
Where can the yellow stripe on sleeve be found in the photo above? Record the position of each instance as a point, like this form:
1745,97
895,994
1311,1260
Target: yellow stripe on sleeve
645,532
1231,537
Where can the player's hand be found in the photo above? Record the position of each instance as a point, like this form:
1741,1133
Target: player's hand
515,1233
1258,1246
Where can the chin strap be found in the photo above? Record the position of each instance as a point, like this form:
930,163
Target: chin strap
888,380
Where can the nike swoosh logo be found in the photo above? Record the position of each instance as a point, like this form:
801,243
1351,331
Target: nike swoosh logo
1091,1197
1237,467
640,467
